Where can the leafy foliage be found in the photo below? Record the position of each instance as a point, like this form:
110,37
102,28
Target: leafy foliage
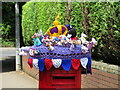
77,17
103,25
8,21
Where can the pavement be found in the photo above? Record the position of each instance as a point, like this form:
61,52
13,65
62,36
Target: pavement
9,78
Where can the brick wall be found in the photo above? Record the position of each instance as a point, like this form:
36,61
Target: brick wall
32,72
100,78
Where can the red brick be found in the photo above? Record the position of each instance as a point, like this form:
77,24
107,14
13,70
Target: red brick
84,86
105,74
97,80
32,72
89,83
99,76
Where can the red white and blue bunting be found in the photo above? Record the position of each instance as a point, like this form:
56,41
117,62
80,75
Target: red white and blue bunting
57,62
66,64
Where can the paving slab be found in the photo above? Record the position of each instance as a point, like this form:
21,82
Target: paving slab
18,80
9,78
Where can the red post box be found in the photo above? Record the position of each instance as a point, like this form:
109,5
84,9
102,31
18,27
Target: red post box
59,79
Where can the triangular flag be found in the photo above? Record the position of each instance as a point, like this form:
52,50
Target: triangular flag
30,62
41,64
84,62
75,63
66,64
48,63
56,62
35,63
89,64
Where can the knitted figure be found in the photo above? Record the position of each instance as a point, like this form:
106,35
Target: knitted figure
21,52
71,31
57,29
51,48
40,35
36,40
92,44
83,40
94,41
84,49
69,26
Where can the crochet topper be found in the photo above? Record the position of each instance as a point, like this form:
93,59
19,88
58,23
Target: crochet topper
57,29
59,47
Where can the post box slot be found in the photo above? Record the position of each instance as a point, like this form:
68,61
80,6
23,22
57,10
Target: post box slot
63,77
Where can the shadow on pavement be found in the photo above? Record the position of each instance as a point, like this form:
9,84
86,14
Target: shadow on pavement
8,64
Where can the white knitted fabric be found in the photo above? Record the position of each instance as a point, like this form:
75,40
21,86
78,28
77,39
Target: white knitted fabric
84,62
31,52
35,63
56,62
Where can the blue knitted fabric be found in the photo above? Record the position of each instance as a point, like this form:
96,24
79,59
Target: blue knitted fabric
66,64
60,52
41,64
89,64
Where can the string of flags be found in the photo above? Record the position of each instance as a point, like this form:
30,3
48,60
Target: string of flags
66,64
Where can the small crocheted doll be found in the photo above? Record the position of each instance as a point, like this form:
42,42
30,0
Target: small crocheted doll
71,31
36,40
51,48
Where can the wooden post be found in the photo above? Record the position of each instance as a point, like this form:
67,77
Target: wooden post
68,10
85,22
17,35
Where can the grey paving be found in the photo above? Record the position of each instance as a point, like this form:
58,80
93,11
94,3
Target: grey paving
18,80
9,78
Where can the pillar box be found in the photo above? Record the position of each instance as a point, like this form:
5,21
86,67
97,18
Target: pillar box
59,79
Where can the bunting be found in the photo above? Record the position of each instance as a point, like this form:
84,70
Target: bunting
30,62
35,63
41,64
75,63
48,63
66,64
56,62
